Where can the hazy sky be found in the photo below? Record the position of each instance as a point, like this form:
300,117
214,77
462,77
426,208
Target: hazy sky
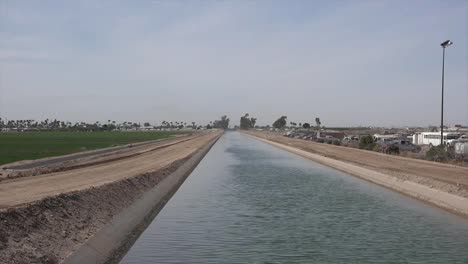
348,62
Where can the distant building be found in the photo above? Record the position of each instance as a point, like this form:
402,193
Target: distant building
458,128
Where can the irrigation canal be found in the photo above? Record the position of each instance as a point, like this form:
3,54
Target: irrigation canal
249,202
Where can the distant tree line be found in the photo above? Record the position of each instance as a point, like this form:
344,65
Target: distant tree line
110,125
247,122
223,123
281,122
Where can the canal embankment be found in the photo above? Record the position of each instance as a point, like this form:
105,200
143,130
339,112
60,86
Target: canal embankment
437,184
91,214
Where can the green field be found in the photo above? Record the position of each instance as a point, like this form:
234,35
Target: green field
16,146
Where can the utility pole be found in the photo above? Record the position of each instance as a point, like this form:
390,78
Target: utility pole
444,45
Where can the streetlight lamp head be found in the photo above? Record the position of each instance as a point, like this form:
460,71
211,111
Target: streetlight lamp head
446,43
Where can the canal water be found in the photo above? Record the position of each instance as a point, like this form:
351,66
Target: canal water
249,202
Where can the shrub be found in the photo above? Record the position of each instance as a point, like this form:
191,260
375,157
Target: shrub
350,144
437,153
337,142
393,149
367,142
320,140
377,148
329,141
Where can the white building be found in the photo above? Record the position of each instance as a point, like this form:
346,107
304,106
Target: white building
433,138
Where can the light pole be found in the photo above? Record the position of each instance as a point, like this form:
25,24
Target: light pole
444,45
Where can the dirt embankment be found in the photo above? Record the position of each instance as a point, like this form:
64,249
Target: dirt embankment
18,191
441,184
53,217
87,158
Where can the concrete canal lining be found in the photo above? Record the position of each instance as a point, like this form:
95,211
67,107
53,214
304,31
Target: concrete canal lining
432,196
111,243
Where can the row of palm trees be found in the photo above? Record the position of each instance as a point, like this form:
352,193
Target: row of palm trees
49,124
305,124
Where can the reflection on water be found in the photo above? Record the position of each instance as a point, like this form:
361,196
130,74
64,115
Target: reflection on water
248,202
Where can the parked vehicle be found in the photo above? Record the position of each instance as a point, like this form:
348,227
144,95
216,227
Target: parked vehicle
433,138
461,150
463,138
351,138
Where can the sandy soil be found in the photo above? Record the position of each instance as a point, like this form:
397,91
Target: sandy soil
45,218
449,178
